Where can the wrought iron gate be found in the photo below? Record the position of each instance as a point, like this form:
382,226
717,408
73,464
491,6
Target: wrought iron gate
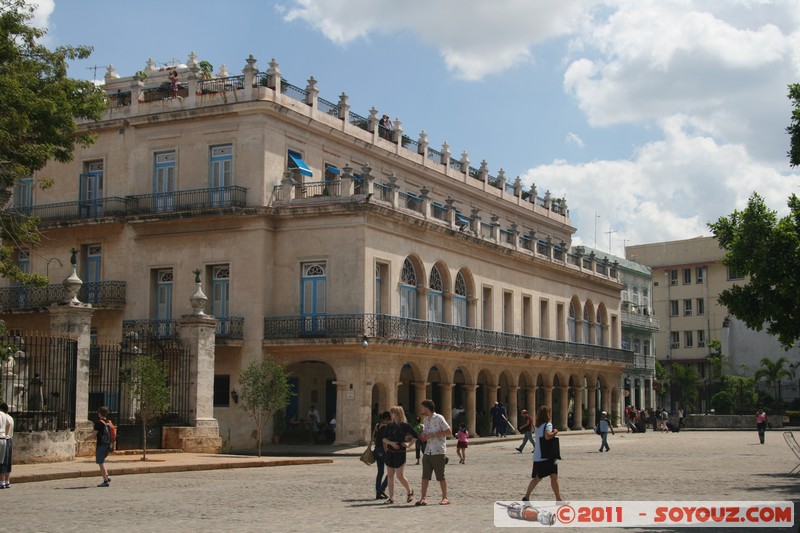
107,363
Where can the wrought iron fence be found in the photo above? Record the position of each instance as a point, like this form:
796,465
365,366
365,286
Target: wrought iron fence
439,211
433,334
164,92
109,368
220,85
329,108
39,382
383,192
455,164
434,155
358,121
294,92
150,329
101,293
410,144
194,200
231,327
101,207
318,188
119,99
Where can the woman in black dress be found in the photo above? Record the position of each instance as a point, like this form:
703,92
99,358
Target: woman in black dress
397,437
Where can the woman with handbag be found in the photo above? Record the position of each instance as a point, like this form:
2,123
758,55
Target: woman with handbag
397,437
377,440
543,466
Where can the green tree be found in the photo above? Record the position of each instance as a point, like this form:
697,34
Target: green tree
773,372
686,384
263,389
39,105
148,381
794,126
767,251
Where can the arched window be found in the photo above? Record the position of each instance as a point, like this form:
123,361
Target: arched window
408,291
460,301
571,326
598,332
435,290
314,297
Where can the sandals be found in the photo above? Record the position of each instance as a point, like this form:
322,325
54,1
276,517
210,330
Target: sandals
421,502
388,502
410,497
444,501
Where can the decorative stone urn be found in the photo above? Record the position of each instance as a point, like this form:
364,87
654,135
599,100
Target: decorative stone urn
73,283
198,299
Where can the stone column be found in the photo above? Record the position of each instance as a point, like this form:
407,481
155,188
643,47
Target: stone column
420,393
591,405
250,71
532,402
564,411
512,405
341,387
197,335
606,400
446,409
469,407
577,422
548,397
73,320
393,395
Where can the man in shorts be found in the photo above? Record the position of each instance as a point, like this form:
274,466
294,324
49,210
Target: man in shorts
103,449
433,460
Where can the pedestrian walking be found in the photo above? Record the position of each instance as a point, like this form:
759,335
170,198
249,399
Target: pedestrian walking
493,418
103,447
526,428
8,429
463,443
543,467
380,456
419,446
433,460
604,426
501,422
761,424
396,436
681,414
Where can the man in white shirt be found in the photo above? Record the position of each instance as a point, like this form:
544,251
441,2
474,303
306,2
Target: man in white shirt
433,460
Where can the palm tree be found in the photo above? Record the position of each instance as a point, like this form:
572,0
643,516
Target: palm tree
773,372
687,382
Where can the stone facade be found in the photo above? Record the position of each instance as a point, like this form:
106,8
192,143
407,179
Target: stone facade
379,270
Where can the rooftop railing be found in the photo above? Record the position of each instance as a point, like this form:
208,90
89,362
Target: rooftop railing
433,335
636,320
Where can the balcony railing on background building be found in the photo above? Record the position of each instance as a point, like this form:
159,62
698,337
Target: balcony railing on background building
636,320
104,294
227,328
231,327
433,334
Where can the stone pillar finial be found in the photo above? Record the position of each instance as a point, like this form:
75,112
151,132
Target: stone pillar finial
198,299
73,283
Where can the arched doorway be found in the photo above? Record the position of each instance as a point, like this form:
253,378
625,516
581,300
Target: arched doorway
313,403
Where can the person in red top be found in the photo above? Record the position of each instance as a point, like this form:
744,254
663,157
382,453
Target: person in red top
526,428
761,424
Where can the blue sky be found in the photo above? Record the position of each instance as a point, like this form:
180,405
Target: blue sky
652,117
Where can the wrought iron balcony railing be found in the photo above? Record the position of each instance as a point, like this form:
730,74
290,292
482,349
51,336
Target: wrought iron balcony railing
102,294
149,329
635,320
194,201
231,327
432,334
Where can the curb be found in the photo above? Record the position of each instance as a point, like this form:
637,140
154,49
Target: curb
164,468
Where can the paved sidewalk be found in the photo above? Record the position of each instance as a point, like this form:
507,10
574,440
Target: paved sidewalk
130,462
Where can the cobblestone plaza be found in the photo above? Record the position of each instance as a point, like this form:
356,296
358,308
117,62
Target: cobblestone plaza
688,467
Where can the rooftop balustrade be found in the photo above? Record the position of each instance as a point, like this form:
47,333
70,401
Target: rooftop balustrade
639,321
432,335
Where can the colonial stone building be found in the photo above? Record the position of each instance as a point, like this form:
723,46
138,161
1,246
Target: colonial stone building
379,269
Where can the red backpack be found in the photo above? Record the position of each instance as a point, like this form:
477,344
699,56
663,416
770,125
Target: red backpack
110,434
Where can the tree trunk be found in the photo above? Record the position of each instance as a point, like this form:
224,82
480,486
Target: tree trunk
144,439
258,441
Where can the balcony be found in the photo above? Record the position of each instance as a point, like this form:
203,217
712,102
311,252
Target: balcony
101,294
176,203
433,335
229,330
637,321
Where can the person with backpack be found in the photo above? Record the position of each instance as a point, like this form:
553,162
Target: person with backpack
105,432
602,428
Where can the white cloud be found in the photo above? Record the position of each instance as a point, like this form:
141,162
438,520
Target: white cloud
475,39
41,16
669,190
574,138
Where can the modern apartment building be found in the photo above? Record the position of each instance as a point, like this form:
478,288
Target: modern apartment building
379,269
